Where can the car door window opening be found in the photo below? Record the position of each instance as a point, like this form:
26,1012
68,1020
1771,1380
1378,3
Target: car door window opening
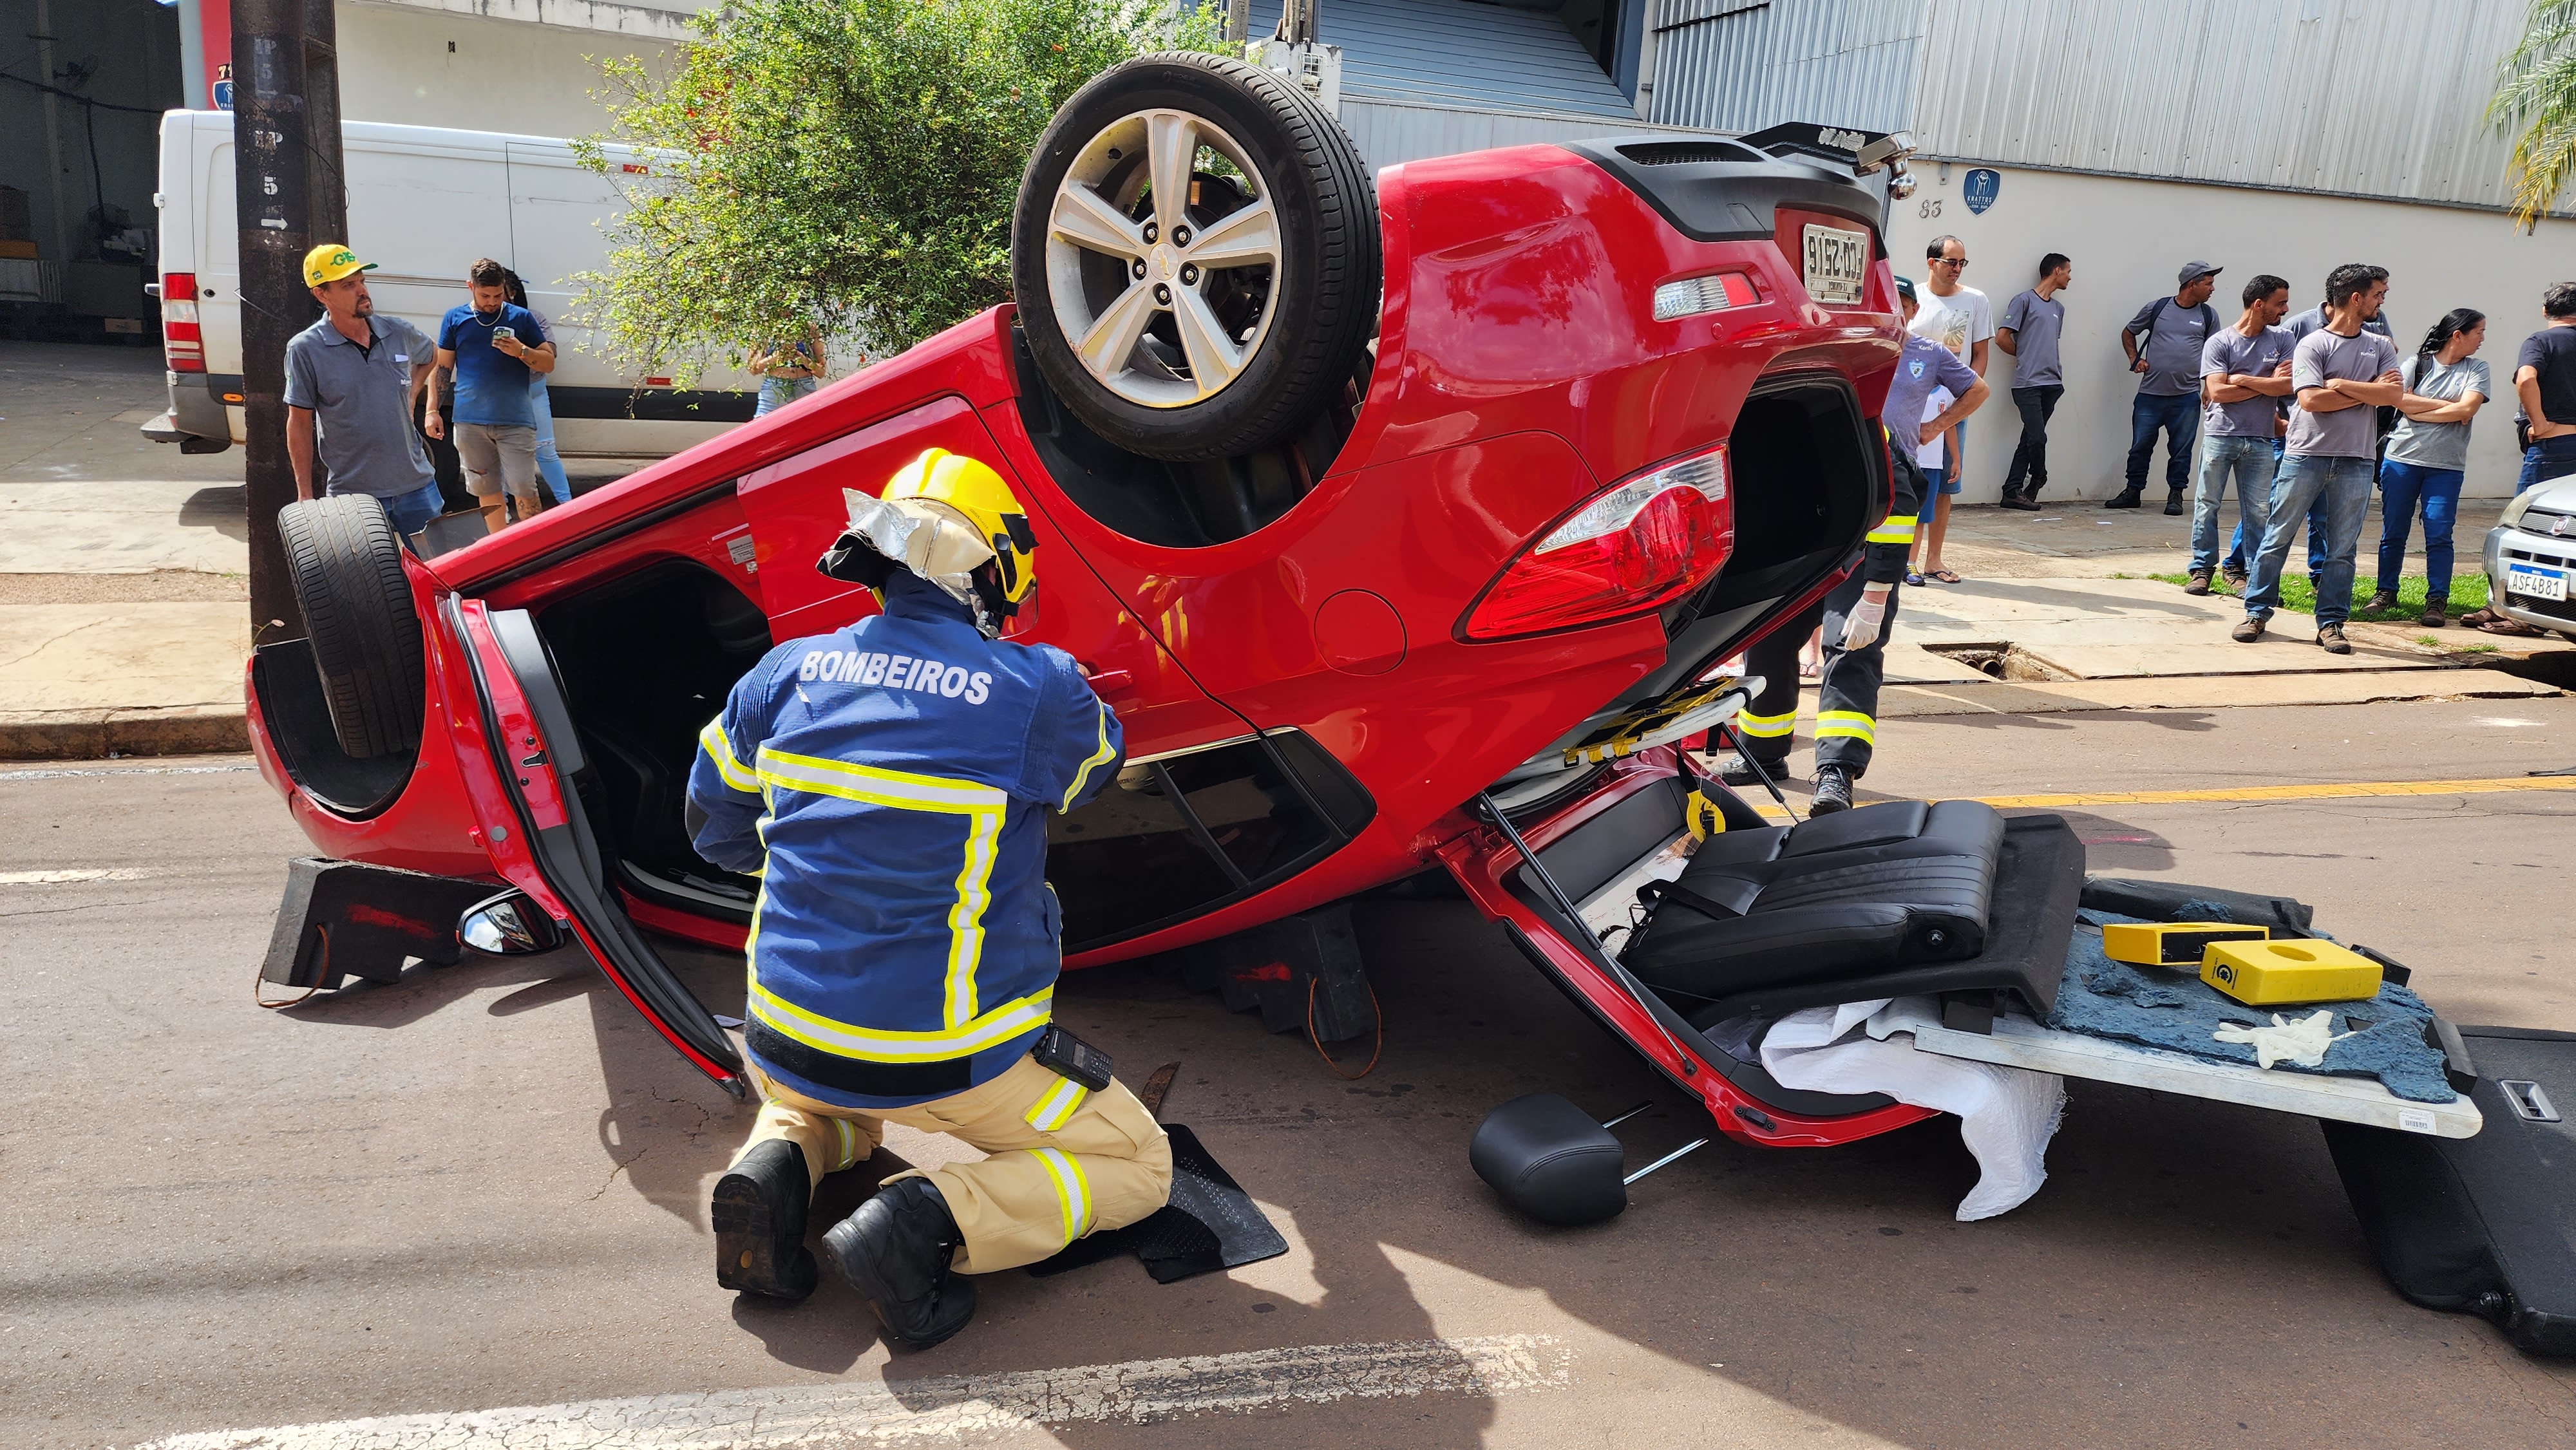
1184,834
647,660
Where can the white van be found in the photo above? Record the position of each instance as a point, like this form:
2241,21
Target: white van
423,204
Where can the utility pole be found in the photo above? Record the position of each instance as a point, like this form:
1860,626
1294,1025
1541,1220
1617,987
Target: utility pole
290,197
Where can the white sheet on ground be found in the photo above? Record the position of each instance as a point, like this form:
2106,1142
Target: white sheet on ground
2006,1114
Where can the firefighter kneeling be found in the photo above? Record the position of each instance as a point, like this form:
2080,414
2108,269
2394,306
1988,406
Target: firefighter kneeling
904,951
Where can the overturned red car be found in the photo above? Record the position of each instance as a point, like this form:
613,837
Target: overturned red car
1404,525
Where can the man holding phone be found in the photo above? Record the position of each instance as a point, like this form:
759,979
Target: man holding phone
493,348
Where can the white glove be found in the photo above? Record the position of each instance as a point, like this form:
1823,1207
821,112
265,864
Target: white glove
2303,1042
1861,628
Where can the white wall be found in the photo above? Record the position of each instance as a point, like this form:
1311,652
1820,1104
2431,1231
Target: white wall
528,80
2128,238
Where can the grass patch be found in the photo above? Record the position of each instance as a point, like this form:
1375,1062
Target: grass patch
2468,592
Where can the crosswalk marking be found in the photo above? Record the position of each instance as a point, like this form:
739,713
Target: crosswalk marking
951,1408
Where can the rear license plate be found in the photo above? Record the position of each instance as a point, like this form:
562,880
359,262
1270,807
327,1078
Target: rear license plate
2532,582
1837,264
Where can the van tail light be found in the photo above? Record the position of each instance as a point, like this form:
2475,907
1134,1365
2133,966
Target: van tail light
1631,548
181,340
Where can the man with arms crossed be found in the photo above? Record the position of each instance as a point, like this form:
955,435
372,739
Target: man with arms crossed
2244,371
2341,376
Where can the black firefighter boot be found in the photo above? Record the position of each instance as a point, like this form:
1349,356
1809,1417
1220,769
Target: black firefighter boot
896,1251
1832,792
2124,499
759,1213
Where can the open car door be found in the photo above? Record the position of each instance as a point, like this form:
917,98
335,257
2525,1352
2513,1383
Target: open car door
532,739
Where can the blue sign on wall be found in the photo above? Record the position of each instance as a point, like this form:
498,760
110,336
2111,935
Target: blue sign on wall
1982,185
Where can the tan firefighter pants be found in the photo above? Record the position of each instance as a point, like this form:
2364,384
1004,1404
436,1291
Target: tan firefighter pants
1065,1162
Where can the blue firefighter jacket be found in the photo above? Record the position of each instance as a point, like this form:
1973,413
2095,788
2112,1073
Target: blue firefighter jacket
890,783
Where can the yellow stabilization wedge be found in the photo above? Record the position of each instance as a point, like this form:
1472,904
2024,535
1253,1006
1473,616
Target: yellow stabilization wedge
2270,973
2171,943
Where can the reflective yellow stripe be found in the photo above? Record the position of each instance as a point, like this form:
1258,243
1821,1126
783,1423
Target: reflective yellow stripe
1766,727
899,789
966,918
1898,529
870,1044
1056,1106
1846,722
1098,759
849,1144
982,805
720,750
1072,1190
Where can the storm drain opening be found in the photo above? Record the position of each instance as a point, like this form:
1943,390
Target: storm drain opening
2004,660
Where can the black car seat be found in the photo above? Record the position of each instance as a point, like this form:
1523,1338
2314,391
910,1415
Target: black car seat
1888,900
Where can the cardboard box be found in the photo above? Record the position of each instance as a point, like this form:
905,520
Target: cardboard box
17,250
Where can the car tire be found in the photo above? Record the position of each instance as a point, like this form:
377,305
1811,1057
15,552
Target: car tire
1282,338
358,615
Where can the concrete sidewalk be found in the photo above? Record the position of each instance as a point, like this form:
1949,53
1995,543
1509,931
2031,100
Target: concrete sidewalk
124,591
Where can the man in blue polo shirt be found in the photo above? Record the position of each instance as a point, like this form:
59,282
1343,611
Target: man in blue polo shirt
493,348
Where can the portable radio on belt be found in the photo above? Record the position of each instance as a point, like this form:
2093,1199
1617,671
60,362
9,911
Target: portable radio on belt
1066,1055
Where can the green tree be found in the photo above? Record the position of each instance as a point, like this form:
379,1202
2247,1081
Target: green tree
2535,104
852,162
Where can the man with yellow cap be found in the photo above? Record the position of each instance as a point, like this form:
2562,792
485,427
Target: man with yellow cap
351,379
890,783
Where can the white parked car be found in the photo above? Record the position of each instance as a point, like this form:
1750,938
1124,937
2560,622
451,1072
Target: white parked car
2531,557
423,204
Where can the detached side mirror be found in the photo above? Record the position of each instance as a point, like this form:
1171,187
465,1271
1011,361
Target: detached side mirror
508,925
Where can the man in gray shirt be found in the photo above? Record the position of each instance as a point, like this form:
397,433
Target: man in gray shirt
2033,322
2244,373
2342,376
2168,398
356,374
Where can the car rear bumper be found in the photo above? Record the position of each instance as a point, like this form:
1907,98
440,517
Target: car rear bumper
197,411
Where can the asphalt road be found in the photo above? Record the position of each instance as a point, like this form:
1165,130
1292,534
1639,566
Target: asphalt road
483,1187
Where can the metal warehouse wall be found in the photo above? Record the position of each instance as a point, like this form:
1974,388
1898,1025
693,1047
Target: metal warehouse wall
2369,98
1427,78
1741,65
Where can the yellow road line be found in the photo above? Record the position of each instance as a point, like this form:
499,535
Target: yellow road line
2320,791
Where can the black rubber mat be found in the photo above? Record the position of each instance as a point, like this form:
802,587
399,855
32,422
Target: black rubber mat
1211,1224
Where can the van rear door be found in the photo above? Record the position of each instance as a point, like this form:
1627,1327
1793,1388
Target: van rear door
559,213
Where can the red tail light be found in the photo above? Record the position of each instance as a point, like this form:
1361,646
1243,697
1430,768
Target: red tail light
181,340
1631,548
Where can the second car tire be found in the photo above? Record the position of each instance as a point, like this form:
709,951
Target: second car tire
1322,292
358,616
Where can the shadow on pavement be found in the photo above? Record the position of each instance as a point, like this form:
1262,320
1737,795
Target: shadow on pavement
224,510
